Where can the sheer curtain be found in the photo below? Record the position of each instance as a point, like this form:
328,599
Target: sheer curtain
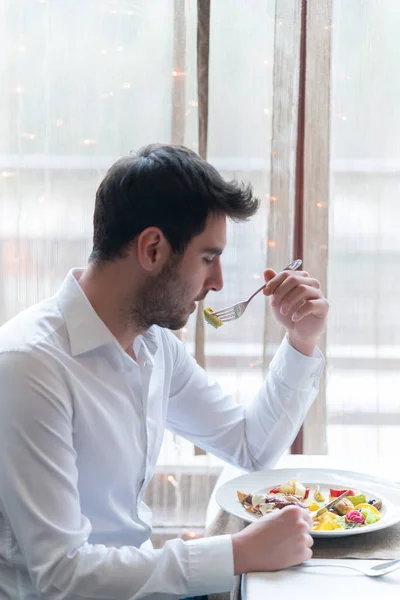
364,243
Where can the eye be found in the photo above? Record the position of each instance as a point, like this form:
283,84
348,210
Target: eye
207,260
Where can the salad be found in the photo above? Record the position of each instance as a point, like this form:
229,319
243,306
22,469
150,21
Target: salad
344,508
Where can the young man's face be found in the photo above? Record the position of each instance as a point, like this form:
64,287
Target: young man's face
169,299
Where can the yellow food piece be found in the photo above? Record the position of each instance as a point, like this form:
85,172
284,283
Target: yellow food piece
312,505
211,318
319,497
327,523
370,507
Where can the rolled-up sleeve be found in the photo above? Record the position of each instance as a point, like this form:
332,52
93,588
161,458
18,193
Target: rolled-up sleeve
40,500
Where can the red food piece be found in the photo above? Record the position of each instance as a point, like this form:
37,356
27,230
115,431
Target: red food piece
355,516
336,493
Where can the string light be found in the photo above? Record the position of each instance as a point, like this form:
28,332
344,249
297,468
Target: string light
59,122
273,198
103,52
107,95
120,49
28,136
21,48
267,111
320,204
172,480
8,174
271,244
265,62
193,103
89,142
184,330
126,85
18,90
256,363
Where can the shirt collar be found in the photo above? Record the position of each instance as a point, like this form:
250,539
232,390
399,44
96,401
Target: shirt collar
86,330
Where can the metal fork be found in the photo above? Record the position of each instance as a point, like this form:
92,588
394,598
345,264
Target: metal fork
376,571
236,310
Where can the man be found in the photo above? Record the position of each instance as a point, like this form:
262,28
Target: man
92,376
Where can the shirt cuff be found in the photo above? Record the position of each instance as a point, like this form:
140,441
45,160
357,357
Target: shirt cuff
210,565
296,370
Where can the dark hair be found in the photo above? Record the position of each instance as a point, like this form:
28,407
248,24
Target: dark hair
163,186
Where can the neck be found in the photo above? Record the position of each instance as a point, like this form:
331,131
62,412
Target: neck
105,288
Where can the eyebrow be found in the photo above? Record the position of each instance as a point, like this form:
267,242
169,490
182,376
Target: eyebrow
217,251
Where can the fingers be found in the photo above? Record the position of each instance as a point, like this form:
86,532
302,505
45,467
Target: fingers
318,308
309,541
297,297
269,274
282,284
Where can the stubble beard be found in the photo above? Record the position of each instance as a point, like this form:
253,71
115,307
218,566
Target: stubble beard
163,300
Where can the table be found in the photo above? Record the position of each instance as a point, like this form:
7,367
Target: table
323,583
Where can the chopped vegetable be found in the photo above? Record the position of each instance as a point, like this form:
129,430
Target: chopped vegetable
336,493
293,486
312,505
358,499
318,495
355,516
367,506
211,318
370,517
328,522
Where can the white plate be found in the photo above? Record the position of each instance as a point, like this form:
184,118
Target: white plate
263,481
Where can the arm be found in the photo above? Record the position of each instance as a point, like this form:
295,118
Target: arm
40,500
255,436
250,436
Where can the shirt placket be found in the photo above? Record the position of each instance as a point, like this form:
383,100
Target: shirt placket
146,365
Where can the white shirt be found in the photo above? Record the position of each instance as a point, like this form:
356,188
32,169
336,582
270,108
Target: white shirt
81,425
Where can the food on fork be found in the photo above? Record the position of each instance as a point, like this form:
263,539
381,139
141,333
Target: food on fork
211,318
347,513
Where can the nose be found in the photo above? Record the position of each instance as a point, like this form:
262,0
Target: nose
216,280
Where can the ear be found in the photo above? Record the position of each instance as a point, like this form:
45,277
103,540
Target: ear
152,249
